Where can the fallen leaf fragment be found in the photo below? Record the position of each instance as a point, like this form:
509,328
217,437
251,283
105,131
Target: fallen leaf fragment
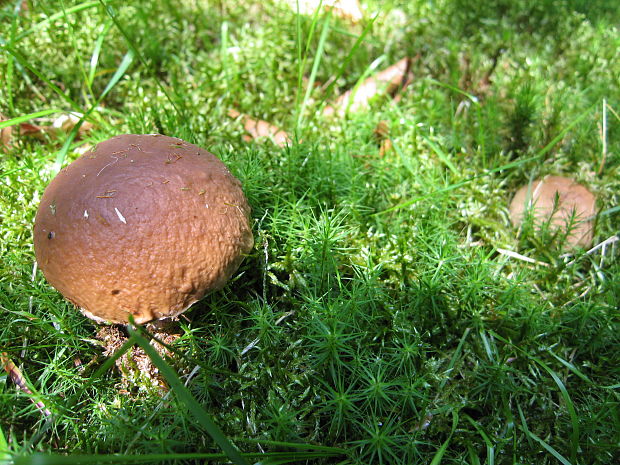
28,129
345,9
471,82
391,80
382,136
260,128
25,129
64,123
5,134
20,381
67,122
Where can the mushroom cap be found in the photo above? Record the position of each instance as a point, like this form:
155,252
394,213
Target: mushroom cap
561,202
143,225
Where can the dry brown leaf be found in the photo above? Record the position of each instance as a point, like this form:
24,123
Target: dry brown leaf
5,134
382,136
20,381
31,130
260,128
346,9
382,131
67,122
64,123
390,81
25,129
471,81
385,147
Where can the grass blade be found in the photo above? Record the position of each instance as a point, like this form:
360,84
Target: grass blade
4,448
24,118
487,347
550,449
22,61
575,434
295,445
472,98
62,153
442,450
347,59
443,156
569,405
571,367
315,68
613,386
135,50
507,166
94,59
105,366
524,426
127,59
370,69
455,356
302,52
485,437
610,211
195,409
82,459
10,75
300,59
56,16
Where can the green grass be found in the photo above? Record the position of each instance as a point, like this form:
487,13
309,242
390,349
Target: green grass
377,319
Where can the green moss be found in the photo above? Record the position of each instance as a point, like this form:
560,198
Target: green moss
379,304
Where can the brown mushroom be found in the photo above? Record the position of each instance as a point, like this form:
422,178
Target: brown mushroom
561,202
143,225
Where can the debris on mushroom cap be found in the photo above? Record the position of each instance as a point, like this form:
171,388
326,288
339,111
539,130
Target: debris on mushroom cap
143,225
561,202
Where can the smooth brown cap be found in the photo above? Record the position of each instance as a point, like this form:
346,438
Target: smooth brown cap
142,225
573,201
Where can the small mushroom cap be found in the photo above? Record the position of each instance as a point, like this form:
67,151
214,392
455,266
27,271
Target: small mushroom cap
560,201
143,225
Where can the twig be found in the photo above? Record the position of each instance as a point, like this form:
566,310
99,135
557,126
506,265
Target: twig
518,256
602,245
20,381
603,138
